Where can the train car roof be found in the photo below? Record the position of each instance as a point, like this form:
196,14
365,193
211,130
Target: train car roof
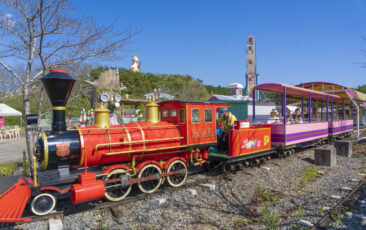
336,89
198,102
294,90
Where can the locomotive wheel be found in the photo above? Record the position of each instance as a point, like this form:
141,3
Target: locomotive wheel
43,204
114,190
227,168
177,179
150,186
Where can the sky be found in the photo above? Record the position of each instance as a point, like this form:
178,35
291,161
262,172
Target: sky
297,41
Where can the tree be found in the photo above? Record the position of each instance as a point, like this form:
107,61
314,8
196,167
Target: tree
38,35
8,87
361,88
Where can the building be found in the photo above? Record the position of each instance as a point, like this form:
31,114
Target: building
242,106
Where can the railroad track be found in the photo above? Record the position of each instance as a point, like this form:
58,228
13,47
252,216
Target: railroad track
323,223
91,206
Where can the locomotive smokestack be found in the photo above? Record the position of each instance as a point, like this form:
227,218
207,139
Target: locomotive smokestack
58,85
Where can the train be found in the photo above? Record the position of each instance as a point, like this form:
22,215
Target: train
104,161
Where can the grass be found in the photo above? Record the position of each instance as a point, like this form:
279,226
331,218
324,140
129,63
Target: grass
359,148
310,175
361,170
266,195
313,191
8,169
300,213
336,217
269,218
240,223
321,209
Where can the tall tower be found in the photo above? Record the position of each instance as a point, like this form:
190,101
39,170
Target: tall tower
251,76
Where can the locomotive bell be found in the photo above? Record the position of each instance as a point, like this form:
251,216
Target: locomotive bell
58,85
102,117
152,111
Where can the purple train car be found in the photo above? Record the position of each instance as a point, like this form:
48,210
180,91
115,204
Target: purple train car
319,117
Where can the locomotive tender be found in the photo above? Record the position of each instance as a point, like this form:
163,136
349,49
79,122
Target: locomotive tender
104,161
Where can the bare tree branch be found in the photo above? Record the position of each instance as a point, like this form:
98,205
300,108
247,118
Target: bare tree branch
39,35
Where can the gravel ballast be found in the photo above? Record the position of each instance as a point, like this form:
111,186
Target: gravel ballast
277,195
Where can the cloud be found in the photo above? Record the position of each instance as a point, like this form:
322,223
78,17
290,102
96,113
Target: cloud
8,19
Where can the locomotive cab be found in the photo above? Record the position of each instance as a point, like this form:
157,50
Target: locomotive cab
196,120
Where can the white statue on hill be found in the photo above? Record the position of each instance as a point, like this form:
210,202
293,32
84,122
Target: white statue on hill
135,66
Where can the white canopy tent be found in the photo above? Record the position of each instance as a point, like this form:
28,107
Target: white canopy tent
8,111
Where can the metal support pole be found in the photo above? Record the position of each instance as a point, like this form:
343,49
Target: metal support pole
327,107
302,108
309,108
343,111
321,110
350,107
284,105
358,115
331,108
253,105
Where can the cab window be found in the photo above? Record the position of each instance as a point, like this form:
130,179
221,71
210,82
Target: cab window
173,113
182,117
195,115
165,113
208,115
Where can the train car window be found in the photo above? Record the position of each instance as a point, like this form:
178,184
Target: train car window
182,117
173,113
208,115
165,113
195,116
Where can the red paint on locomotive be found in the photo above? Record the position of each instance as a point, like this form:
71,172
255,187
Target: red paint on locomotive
142,140
88,188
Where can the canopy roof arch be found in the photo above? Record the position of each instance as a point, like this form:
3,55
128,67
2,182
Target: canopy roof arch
294,91
335,89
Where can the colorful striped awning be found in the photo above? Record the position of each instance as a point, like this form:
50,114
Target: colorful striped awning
335,89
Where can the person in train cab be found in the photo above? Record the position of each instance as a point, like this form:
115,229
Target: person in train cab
296,118
274,119
227,119
314,114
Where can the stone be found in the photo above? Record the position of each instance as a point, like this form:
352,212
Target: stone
343,148
161,201
325,156
193,192
360,216
355,180
346,189
349,214
55,224
212,187
117,214
266,168
336,197
306,223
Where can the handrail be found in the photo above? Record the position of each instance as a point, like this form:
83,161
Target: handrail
146,150
134,142
125,127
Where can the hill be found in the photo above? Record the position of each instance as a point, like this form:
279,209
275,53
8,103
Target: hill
183,87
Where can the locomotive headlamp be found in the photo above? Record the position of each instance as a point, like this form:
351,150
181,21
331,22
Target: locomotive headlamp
117,104
104,97
117,98
31,119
